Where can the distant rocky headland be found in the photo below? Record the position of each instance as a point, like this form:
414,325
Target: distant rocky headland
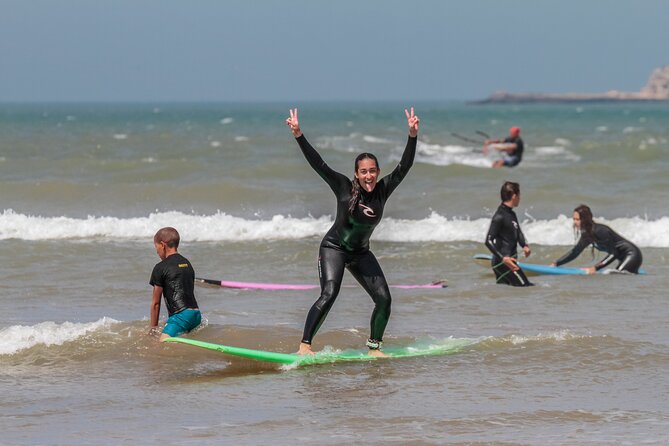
656,89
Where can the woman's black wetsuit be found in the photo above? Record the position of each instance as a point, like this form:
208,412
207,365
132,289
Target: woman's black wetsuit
607,240
503,237
346,244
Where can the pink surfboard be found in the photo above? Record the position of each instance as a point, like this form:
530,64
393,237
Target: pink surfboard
288,286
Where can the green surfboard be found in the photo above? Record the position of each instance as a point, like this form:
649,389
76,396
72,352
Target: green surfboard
443,347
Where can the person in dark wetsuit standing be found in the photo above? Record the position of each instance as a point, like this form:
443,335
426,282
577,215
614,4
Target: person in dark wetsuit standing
503,236
512,147
360,203
602,238
173,278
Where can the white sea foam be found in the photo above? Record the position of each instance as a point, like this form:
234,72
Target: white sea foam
219,226
556,152
224,227
376,140
227,120
471,156
447,155
20,337
550,150
340,143
558,336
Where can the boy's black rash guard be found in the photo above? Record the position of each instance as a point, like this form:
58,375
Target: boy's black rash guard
177,278
504,234
607,240
351,232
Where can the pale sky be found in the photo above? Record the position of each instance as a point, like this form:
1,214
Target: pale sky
344,50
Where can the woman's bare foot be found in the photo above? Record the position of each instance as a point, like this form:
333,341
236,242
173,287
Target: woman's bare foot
305,349
377,352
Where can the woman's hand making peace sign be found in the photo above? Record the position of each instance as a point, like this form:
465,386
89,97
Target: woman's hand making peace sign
412,120
293,123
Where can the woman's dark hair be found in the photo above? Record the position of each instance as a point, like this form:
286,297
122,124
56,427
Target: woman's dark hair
587,225
355,185
508,189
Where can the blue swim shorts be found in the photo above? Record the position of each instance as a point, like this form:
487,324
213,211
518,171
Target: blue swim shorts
510,161
182,322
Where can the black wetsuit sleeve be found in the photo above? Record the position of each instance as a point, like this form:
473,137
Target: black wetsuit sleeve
521,238
605,262
493,231
335,180
393,179
575,252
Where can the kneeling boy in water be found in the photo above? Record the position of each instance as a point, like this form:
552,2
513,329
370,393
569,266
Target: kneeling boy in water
173,278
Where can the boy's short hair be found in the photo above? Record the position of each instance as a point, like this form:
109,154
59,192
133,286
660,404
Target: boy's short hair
169,236
508,189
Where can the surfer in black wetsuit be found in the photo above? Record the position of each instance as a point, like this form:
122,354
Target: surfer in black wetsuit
360,203
512,147
503,236
602,238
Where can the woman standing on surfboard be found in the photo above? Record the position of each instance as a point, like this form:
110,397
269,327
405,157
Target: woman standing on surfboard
360,203
604,239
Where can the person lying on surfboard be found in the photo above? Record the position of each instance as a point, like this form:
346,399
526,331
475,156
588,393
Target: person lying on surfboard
512,147
602,238
504,235
173,278
360,203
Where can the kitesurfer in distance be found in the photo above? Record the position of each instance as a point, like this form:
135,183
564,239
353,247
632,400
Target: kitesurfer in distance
512,148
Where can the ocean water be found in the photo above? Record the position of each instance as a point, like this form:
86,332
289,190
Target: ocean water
572,360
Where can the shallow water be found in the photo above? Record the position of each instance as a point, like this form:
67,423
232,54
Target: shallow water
572,360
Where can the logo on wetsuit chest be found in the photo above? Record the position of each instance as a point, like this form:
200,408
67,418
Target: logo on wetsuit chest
369,212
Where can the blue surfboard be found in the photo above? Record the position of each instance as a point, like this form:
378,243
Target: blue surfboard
550,270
